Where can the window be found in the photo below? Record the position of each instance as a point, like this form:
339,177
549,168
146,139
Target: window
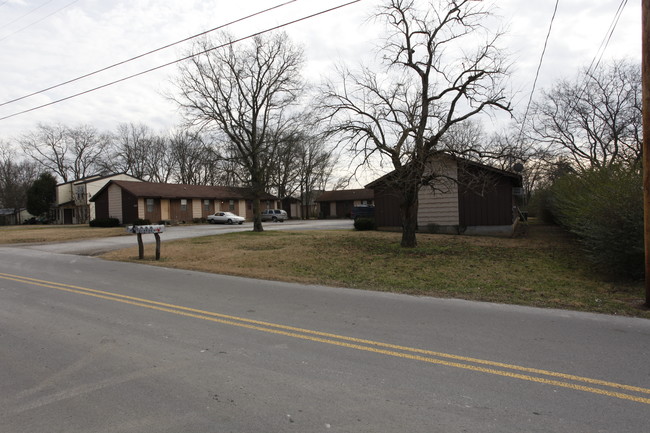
231,205
150,205
183,204
206,205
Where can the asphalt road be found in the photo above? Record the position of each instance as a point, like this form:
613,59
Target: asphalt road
94,346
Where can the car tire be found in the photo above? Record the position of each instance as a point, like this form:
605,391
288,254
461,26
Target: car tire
241,222
230,221
274,219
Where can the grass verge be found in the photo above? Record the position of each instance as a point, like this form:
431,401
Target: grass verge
59,233
544,268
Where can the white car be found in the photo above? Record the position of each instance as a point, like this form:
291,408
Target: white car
225,218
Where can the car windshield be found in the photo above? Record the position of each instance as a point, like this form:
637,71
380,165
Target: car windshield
229,214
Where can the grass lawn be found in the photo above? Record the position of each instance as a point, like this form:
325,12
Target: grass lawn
54,233
542,268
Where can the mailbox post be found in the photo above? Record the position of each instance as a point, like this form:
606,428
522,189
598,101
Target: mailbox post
147,229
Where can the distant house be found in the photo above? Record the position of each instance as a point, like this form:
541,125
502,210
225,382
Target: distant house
293,207
339,203
469,198
128,201
304,207
73,205
10,217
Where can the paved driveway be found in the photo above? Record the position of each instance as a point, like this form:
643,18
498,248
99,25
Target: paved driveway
102,245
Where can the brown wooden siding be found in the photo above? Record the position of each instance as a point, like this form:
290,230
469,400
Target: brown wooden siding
387,212
491,208
344,208
129,208
101,205
177,214
156,216
209,211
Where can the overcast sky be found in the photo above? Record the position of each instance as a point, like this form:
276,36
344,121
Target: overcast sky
47,42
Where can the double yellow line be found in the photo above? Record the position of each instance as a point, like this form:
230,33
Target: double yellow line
579,383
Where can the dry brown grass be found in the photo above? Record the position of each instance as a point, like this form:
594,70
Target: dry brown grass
543,268
60,233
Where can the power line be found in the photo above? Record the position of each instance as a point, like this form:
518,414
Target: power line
592,66
608,37
599,53
539,67
38,21
147,53
25,14
270,29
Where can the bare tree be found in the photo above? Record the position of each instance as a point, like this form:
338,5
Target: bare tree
68,152
316,164
160,163
284,169
47,146
244,93
195,161
16,176
435,75
88,147
136,150
596,119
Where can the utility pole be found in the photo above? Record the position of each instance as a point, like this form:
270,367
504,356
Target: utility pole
645,78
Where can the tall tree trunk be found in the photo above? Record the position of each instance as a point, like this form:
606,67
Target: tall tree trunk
409,213
257,215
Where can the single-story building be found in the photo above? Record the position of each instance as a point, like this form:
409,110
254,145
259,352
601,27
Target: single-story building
339,203
304,207
128,201
468,197
73,205
10,217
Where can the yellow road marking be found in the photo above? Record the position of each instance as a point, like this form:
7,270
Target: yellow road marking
356,343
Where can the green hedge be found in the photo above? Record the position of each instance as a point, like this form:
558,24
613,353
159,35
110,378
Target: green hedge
364,224
604,208
105,222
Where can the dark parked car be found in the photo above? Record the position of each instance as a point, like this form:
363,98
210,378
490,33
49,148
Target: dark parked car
364,211
274,215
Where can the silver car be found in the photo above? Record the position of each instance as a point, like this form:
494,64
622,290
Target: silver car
274,215
225,218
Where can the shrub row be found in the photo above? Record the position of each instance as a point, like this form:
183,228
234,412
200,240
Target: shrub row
604,208
105,222
364,224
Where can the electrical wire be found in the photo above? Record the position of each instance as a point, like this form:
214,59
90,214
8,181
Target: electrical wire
599,54
592,66
539,67
24,15
147,53
608,36
38,21
270,29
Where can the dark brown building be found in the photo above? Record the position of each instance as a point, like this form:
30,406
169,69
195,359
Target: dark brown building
468,197
339,203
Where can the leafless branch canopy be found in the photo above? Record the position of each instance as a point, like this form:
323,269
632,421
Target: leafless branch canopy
432,80
441,67
595,120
